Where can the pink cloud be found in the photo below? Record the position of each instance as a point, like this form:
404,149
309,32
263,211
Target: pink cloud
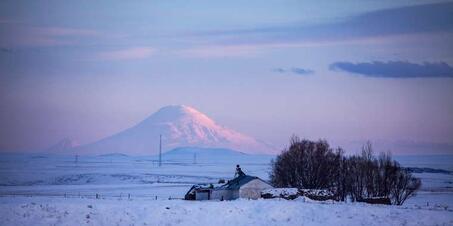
127,54
256,49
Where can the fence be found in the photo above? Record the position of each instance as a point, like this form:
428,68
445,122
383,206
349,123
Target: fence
127,196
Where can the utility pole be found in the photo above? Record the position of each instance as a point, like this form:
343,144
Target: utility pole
160,150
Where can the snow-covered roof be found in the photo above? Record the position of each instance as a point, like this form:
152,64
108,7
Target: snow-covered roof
198,187
238,182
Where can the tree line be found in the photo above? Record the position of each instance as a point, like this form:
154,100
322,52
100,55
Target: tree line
314,165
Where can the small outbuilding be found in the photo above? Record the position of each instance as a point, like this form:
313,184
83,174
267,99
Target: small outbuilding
199,192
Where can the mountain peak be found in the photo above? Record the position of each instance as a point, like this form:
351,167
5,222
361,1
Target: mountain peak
178,113
177,107
177,110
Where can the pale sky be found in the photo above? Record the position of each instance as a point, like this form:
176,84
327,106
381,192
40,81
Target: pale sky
347,71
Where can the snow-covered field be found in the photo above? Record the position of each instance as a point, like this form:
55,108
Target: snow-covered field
58,190
59,211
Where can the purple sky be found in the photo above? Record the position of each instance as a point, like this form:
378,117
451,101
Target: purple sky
347,72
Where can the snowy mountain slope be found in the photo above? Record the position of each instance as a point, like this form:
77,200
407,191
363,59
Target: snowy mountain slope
180,126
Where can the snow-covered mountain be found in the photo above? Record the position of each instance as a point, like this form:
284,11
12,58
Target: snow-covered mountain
180,126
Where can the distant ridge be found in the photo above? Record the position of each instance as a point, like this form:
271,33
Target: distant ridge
194,155
195,150
63,145
114,155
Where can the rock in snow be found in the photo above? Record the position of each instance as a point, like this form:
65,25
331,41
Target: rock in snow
180,126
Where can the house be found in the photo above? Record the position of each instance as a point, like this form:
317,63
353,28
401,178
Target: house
243,186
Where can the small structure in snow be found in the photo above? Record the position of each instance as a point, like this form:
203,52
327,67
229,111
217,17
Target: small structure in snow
285,193
242,186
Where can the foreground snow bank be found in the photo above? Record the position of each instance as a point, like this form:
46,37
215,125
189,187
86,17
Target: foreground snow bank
60,211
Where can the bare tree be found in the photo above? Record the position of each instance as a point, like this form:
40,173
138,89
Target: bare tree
307,165
404,186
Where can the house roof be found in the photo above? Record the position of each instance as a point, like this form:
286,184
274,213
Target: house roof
238,182
199,187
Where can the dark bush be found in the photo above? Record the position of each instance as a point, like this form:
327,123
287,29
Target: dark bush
376,200
314,165
306,164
